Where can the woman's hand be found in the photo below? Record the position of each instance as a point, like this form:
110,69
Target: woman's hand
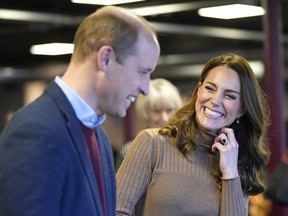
228,152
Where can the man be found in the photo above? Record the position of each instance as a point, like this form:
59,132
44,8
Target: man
46,163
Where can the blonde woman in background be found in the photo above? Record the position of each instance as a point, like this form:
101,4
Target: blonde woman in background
154,109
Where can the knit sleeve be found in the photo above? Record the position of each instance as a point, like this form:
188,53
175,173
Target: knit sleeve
233,202
134,173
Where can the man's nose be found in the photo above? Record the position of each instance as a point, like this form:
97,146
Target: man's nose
144,88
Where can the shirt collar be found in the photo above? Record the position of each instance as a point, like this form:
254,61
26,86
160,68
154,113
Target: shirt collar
83,111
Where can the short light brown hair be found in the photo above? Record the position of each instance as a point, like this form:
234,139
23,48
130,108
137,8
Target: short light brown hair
114,26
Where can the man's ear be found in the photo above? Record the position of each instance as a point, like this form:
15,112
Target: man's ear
104,57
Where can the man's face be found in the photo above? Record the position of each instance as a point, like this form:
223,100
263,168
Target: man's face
127,80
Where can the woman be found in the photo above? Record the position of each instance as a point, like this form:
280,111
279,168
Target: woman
154,109
209,157
161,102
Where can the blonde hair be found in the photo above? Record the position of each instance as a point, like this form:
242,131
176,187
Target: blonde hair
161,91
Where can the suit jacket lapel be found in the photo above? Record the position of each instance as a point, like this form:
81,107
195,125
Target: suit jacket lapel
74,129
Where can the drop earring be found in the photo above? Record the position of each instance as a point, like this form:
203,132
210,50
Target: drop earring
237,121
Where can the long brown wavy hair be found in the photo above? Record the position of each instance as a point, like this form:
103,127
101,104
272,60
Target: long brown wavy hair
254,153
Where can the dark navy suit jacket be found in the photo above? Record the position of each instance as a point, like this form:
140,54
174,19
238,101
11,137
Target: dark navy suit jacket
44,165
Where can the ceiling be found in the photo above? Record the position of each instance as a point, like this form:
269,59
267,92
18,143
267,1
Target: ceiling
186,39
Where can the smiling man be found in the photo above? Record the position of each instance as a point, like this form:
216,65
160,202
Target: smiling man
47,162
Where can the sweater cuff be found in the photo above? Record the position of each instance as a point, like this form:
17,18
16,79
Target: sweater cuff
230,179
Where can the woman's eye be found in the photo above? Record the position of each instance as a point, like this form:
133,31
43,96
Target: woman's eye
232,97
210,88
157,111
169,110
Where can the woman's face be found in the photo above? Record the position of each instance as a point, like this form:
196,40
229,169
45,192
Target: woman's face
159,116
218,101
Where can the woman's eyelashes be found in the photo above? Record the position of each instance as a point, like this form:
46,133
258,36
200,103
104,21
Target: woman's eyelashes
229,94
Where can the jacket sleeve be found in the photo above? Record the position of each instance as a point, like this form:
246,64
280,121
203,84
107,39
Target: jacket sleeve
31,170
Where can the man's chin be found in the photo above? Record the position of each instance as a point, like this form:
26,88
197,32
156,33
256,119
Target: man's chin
122,114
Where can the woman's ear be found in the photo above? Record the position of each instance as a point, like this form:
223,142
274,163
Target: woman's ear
104,57
199,86
241,113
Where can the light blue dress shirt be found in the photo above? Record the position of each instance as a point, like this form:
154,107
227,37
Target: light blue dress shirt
83,111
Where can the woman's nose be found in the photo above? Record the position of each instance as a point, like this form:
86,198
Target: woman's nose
216,99
165,116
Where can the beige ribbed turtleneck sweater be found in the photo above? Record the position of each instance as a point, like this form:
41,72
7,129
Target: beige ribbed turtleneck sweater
158,180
